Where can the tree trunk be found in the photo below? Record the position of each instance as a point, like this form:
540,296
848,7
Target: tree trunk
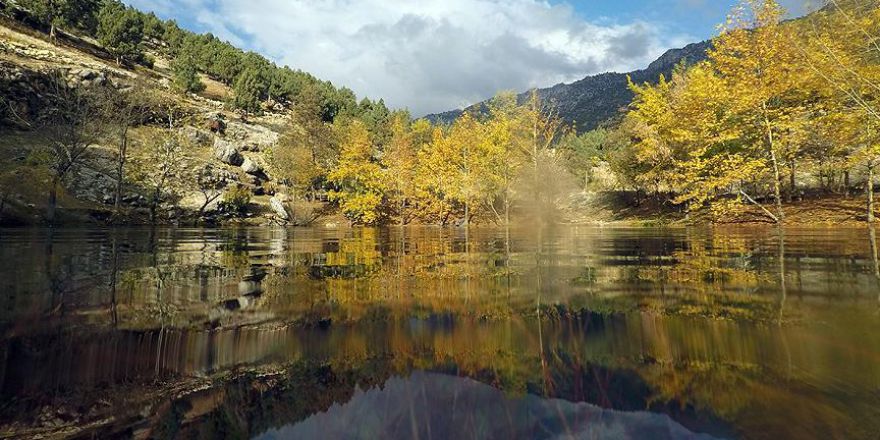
777,183
875,252
292,204
208,201
154,205
846,182
120,169
2,205
777,177
467,215
402,214
506,208
869,186
792,182
53,201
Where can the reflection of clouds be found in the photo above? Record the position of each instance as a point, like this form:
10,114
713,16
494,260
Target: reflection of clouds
427,405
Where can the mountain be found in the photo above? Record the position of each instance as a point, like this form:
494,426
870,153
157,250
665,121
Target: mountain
596,99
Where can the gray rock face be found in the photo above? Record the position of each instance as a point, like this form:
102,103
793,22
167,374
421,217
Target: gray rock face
279,209
227,153
195,136
86,77
250,167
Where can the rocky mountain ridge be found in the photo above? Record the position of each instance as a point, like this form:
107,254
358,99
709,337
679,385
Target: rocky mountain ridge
597,99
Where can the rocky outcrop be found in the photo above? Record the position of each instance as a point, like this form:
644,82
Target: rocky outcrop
278,208
251,167
227,153
86,77
27,91
195,136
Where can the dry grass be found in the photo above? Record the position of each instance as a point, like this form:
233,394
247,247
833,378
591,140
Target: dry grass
215,90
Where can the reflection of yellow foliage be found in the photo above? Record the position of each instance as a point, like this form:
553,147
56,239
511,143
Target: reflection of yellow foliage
707,266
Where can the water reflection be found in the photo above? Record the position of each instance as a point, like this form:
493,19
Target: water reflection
401,409
143,279
754,333
875,254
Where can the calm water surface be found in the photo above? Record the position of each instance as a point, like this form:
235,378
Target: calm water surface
429,333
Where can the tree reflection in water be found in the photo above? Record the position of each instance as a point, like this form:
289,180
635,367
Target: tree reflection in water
751,333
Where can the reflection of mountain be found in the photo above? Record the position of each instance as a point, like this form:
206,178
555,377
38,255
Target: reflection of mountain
427,405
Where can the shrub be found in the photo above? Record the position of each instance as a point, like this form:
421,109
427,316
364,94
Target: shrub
236,199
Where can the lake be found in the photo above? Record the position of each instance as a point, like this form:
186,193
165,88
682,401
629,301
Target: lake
431,333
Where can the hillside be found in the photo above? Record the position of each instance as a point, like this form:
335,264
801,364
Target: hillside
595,99
235,156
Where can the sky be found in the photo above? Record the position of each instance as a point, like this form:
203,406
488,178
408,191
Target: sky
436,55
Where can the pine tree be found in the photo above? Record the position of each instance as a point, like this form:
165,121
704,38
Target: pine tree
186,75
250,89
120,31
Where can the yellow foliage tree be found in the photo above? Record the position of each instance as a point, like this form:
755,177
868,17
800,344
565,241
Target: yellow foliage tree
841,50
400,161
757,57
359,180
453,169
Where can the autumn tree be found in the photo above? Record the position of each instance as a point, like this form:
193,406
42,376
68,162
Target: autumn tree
454,168
307,143
841,51
400,160
504,161
538,129
358,178
757,57
649,161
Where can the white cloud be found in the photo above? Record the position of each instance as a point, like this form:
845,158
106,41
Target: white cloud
428,55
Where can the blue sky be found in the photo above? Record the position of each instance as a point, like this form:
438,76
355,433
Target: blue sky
696,17
436,55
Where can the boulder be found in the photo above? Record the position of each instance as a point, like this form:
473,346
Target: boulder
227,153
278,207
250,167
